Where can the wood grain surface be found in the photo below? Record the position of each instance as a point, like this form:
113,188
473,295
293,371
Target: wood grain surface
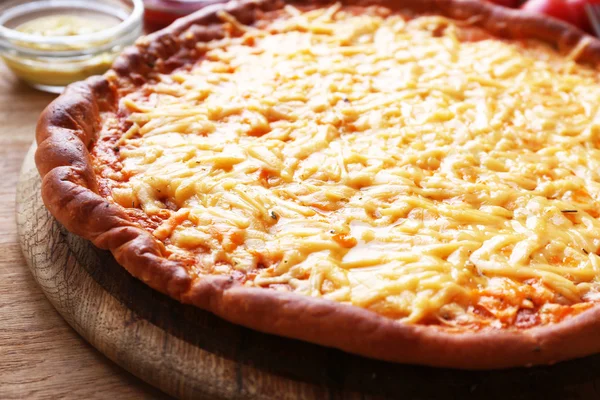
41,357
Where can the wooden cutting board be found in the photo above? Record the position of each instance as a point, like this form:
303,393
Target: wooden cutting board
190,353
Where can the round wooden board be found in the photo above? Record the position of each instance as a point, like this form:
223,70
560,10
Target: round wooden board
190,353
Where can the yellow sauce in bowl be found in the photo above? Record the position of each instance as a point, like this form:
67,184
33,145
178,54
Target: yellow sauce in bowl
51,45
39,71
56,72
65,25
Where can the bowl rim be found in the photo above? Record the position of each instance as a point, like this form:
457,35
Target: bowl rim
14,9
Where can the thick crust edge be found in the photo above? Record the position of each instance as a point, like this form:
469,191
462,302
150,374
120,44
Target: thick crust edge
67,128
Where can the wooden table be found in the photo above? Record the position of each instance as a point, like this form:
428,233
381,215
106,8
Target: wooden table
40,355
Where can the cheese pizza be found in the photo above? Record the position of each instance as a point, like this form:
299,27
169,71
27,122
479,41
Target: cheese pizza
411,181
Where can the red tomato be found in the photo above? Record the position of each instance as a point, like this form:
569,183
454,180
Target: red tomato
507,3
579,15
571,11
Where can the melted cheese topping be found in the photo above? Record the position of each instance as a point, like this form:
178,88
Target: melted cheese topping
391,163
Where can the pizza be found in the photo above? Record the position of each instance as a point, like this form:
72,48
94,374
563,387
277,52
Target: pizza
414,181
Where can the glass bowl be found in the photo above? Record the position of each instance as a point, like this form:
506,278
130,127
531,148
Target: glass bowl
52,43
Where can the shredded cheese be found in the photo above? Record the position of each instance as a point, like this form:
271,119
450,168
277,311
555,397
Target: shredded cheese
380,161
